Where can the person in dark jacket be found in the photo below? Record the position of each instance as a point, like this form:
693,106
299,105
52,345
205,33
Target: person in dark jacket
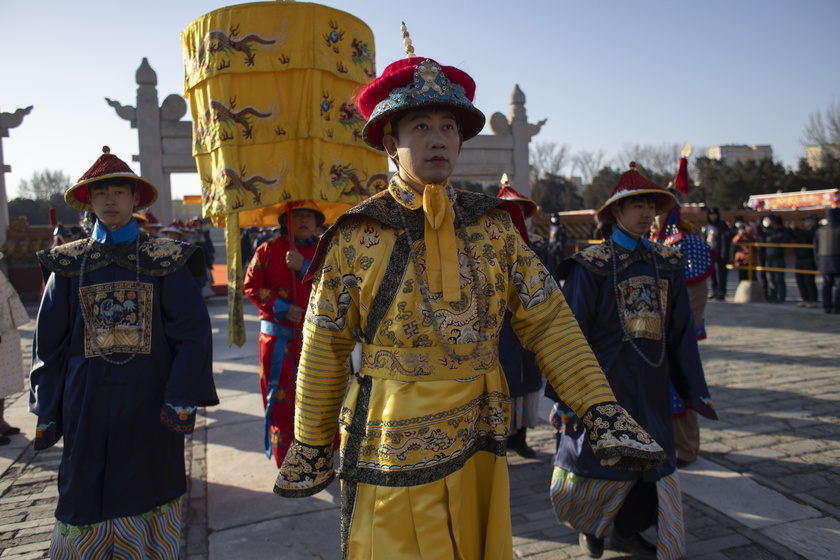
719,239
827,251
778,233
806,260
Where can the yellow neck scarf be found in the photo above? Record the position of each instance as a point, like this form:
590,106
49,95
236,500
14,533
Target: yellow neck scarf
442,267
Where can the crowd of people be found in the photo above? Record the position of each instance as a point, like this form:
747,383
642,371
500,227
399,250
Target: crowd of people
807,261
459,318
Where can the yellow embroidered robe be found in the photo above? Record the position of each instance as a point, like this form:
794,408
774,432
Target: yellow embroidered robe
423,465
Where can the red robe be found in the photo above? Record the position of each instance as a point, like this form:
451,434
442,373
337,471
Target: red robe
268,278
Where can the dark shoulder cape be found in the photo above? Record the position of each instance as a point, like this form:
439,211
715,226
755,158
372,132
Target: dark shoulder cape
158,257
598,259
383,208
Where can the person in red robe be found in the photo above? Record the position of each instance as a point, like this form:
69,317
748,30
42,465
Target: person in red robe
274,283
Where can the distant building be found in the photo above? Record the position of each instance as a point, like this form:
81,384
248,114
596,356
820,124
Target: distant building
730,155
817,155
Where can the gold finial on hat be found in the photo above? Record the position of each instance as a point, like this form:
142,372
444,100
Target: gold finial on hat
505,182
409,50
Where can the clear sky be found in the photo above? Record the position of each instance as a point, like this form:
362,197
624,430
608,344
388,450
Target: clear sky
606,74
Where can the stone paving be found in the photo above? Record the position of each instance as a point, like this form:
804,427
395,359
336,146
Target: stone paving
767,485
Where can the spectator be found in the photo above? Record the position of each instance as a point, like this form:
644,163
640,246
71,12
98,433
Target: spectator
719,238
743,255
806,260
777,234
556,242
827,249
763,228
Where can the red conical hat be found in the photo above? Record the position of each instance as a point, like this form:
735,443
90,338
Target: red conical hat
509,193
152,219
632,183
109,166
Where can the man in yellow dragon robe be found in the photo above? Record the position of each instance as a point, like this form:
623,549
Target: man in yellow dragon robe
422,275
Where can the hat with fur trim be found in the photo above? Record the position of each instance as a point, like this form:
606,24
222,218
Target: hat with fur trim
632,183
109,166
413,83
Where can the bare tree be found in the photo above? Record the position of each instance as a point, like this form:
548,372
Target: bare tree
661,160
587,164
823,129
43,185
547,159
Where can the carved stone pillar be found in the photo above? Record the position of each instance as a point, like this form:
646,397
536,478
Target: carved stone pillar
522,132
7,121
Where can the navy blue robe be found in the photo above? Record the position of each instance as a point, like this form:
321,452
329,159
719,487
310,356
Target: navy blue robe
643,390
123,425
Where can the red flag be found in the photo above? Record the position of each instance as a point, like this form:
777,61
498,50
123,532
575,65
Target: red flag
682,176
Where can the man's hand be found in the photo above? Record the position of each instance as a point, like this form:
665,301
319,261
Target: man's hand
294,260
294,314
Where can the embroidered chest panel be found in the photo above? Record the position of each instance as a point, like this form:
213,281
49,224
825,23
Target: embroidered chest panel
380,274
640,306
118,314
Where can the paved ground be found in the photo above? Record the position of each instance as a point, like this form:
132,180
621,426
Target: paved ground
767,485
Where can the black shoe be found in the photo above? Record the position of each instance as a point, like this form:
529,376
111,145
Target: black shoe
12,432
524,451
518,444
4,440
682,463
591,545
634,544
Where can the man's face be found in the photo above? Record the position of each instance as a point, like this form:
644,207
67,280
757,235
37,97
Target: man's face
113,204
635,216
304,224
426,146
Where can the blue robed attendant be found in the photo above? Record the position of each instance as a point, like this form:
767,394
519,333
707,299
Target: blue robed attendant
122,358
629,297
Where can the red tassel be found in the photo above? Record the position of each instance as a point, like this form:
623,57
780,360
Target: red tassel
682,176
53,218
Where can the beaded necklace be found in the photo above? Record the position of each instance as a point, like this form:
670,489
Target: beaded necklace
437,322
85,319
659,312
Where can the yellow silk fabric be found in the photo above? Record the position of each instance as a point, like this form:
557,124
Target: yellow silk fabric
270,87
439,234
511,275
441,253
417,417
463,516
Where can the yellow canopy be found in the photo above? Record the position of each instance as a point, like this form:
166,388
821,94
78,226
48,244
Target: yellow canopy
271,88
